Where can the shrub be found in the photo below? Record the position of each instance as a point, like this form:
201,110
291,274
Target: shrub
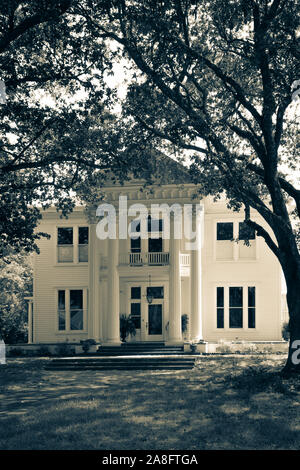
285,331
184,322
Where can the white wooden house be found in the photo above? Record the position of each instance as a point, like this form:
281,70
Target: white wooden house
230,291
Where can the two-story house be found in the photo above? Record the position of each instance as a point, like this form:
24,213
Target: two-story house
180,261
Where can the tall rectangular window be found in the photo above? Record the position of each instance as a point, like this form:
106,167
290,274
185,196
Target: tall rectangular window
83,244
220,307
235,307
76,310
65,244
71,309
135,307
61,310
251,307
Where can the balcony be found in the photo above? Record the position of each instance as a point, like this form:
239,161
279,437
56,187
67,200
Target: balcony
142,259
149,259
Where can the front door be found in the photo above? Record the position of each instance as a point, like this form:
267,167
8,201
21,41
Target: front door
147,311
154,326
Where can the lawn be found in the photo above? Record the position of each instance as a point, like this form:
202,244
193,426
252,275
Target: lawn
225,402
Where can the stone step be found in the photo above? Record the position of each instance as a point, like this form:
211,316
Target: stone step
129,363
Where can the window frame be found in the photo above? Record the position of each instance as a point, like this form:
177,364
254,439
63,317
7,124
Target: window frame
75,245
235,245
67,310
245,318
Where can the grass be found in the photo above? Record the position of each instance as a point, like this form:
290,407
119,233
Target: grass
233,402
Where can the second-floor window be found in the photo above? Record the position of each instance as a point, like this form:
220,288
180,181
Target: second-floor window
72,244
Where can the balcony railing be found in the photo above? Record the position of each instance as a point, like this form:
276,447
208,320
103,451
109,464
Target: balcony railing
140,259
147,259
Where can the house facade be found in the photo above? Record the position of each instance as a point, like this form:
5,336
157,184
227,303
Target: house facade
84,279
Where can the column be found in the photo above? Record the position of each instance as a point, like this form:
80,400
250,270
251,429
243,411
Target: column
196,278
93,308
175,336
113,288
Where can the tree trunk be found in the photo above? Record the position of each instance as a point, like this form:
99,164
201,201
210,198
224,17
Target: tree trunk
292,276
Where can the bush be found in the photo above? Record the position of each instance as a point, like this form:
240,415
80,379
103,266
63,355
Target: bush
184,322
285,331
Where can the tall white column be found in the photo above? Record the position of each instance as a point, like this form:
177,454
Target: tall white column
93,310
113,301
196,278
175,336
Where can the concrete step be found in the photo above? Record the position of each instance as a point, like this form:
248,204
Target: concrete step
129,363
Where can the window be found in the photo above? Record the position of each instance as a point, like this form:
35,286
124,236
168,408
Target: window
220,307
83,244
135,306
71,309
224,230
246,232
155,292
155,245
251,307
67,238
65,244
155,225
235,307
135,245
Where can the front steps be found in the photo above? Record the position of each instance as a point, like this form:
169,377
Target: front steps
145,363
128,356
136,348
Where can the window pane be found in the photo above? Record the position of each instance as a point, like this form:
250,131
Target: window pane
251,317
135,226
135,314
156,292
65,236
76,319
246,232
135,292
155,225
65,253
61,300
76,299
135,309
135,245
61,320
220,296
224,230
83,235
251,296
235,296
220,317
236,318
83,253
155,245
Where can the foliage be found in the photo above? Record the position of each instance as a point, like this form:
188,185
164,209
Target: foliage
15,284
87,343
285,330
219,79
184,322
126,327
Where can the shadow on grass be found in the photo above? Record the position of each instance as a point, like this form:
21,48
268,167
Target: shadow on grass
224,403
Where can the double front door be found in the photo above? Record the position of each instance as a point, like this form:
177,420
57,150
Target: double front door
147,312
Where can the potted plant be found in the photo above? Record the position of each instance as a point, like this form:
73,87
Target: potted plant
86,344
184,324
127,327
